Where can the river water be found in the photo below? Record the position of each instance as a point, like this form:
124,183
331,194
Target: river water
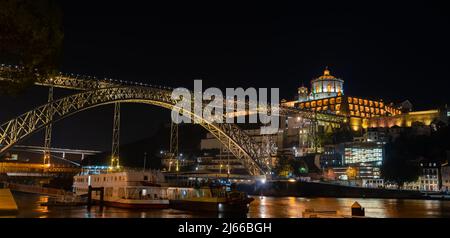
261,207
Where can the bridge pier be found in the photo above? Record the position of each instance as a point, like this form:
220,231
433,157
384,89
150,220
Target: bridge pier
89,198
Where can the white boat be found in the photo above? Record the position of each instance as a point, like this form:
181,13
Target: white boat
127,189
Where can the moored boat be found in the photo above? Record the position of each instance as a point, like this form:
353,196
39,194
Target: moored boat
126,189
209,199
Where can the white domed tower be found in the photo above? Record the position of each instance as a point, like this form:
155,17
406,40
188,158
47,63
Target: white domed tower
326,86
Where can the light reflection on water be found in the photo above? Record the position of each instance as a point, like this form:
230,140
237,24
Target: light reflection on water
261,207
379,208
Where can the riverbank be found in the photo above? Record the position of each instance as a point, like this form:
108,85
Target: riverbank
313,189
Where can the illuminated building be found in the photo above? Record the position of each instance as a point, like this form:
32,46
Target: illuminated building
331,156
445,177
429,179
325,86
327,95
363,152
365,157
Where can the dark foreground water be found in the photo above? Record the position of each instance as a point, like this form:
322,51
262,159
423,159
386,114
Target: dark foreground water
262,207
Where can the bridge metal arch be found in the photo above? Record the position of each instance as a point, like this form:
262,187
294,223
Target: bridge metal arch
79,82
237,141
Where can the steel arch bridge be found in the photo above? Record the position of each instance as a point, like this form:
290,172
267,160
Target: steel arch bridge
237,141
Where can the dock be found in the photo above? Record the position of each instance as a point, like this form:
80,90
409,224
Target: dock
7,203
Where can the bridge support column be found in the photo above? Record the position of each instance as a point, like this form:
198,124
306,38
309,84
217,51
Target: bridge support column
89,198
115,138
48,130
313,136
174,145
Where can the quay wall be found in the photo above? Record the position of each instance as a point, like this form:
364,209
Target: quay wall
311,189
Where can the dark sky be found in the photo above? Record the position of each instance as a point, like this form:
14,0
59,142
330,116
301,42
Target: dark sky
393,52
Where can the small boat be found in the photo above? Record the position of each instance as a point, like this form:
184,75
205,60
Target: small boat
209,199
125,189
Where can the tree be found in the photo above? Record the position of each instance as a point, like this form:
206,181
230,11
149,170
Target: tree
400,165
284,166
30,37
342,134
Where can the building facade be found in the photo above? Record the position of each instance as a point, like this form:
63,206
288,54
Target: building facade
429,178
445,178
326,95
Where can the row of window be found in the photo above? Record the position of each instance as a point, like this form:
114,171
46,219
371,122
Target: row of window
332,108
365,102
430,171
105,179
329,88
429,181
362,114
377,181
356,155
353,107
319,103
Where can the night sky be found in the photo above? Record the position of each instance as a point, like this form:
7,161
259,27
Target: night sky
393,52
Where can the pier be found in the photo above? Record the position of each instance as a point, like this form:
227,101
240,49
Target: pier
7,203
